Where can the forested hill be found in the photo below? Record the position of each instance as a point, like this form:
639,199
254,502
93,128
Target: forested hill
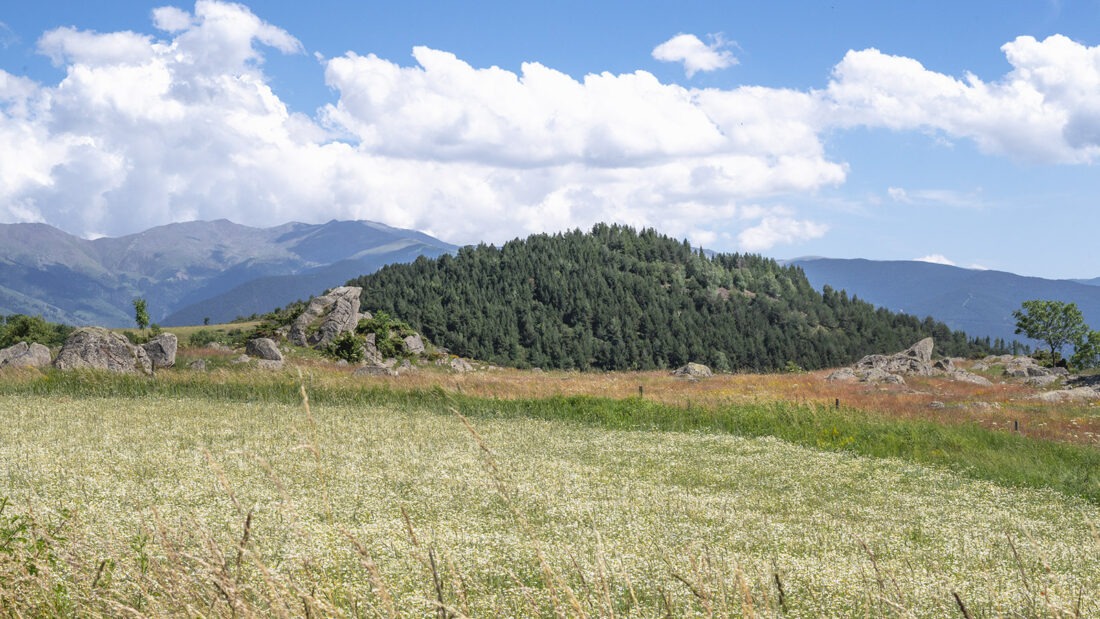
620,299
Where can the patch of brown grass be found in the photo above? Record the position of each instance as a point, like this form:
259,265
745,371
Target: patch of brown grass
1005,405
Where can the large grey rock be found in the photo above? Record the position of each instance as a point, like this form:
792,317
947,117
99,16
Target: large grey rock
414,344
98,348
373,370
326,317
914,361
263,348
161,350
1025,367
371,355
1077,394
847,375
945,365
461,366
693,370
879,375
921,351
23,355
967,377
1042,381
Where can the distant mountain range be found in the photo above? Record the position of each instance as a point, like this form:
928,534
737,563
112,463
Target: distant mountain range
978,302
188,272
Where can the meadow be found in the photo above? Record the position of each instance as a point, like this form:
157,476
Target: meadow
505,493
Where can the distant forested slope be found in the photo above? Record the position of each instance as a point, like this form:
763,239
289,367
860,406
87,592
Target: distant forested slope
617,299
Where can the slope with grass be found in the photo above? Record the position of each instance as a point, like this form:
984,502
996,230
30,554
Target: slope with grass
215,505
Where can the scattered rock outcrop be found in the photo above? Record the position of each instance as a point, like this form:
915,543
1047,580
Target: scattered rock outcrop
24,355
98,348
967,377
161,350
693,370
913,361
460,365
1074,394
326,317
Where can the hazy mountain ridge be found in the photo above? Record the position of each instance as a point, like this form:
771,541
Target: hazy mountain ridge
212,269
976,301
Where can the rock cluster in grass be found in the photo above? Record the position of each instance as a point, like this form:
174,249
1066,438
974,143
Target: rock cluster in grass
693,370
333,324
1069,394
1024,367
913,361
23,355
99,349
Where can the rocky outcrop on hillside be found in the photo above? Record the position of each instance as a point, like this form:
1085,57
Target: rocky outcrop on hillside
98,348
333,325
22,355
326,317
913,361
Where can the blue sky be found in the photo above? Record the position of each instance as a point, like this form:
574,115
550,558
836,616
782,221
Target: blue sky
966,133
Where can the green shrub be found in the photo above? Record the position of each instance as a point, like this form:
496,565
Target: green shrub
382,325
31,329
347,346
205,337
388,333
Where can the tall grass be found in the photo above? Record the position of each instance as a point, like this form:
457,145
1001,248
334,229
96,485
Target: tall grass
998,456
235,506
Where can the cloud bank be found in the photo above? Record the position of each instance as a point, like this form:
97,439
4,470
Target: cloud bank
145,130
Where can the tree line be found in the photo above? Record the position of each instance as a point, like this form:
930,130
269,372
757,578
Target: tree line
616,298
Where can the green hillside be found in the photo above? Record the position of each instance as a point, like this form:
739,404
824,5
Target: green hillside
618,299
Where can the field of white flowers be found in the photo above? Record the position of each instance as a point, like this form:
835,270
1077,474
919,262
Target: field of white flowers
156,506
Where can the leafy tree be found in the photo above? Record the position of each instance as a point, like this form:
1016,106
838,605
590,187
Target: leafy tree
31,329
1052,322
1087,353
141,314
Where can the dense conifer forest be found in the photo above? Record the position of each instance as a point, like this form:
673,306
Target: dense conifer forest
619,299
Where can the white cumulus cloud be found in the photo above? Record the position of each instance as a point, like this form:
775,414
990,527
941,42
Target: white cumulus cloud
188,127
695,55
145,129
779,229
1046,109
